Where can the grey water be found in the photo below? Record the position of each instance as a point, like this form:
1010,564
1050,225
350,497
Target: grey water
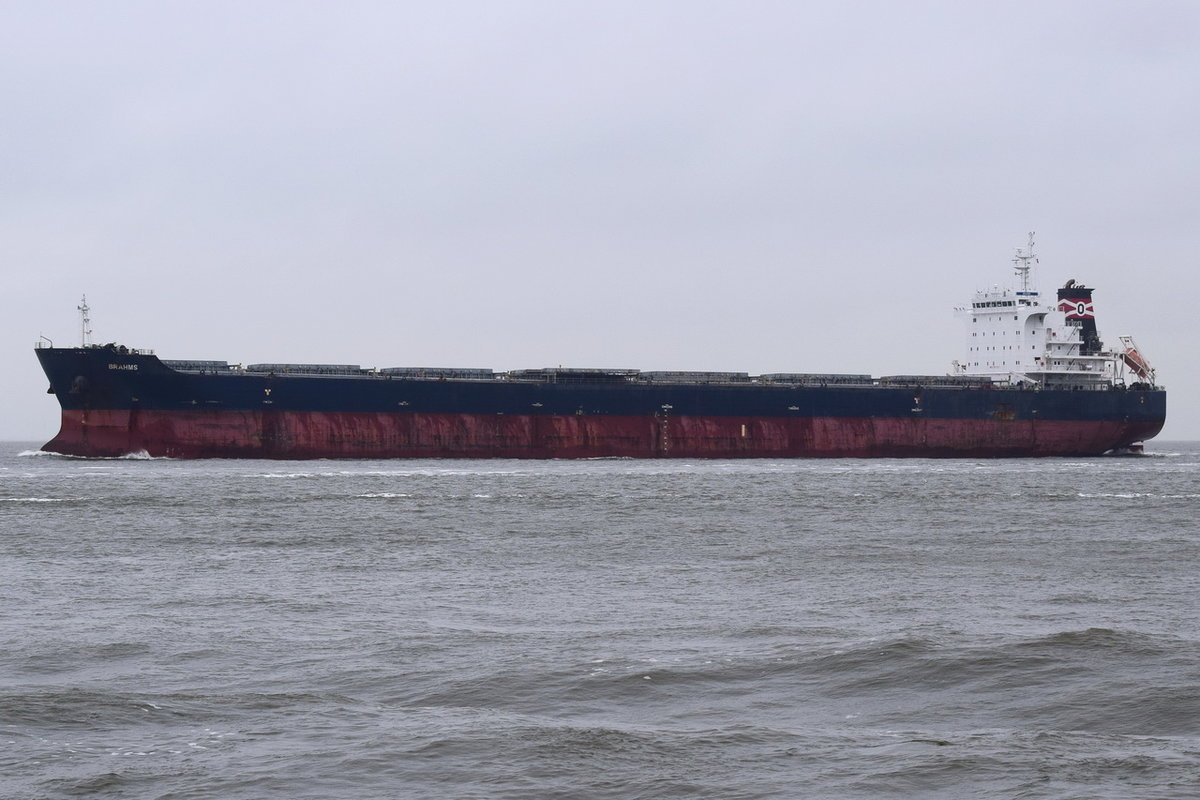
600,629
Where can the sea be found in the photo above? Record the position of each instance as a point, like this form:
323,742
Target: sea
351,630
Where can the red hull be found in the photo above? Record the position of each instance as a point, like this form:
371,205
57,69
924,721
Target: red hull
311,434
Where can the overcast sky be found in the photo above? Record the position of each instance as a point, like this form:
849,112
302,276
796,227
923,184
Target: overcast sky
751,186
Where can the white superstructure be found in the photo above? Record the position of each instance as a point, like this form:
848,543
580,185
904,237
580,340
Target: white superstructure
1017,335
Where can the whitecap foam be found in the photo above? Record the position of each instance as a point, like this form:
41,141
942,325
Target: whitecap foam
140,455
33,499
288,475
1135,496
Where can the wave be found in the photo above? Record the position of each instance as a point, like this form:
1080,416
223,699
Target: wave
290,475
140,455
38,499
400,473
1100,680
1135,496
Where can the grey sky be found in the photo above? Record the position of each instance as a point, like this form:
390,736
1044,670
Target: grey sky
748,186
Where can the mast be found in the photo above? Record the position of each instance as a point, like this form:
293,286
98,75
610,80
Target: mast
85,323
1022,261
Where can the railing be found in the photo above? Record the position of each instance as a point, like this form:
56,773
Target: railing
44,343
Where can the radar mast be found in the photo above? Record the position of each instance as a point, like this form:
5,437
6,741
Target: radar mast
85,323
1023,260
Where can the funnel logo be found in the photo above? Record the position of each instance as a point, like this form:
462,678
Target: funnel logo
1077,309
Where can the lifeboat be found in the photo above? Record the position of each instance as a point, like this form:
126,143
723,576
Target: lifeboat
1134,359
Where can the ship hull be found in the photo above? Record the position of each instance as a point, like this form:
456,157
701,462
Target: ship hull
302,435
115,404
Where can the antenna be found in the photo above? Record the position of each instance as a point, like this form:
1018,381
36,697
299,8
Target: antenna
85,323
1022,259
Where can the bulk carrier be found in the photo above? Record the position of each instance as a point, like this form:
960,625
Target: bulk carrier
1036,381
